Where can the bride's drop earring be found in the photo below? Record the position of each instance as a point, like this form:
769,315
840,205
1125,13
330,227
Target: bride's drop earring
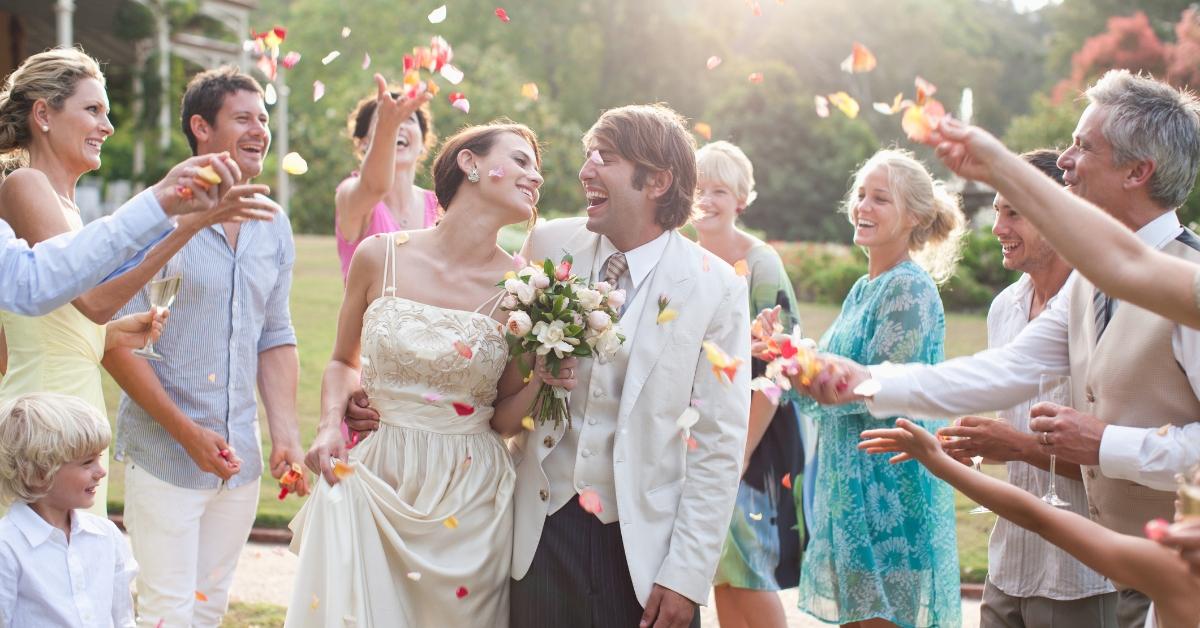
45,128
473,175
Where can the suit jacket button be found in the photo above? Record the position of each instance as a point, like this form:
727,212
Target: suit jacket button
544,494
548,441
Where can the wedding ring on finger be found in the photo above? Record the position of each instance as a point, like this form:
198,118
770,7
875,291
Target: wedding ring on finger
1046,438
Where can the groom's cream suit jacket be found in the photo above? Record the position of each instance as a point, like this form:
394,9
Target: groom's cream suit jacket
673,501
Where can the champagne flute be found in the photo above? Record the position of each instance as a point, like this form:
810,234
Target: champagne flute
1189,494
1055,389
162,295
976,461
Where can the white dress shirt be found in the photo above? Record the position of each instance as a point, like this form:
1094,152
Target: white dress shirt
642,261
1005,376
46,581
1021,563
61,268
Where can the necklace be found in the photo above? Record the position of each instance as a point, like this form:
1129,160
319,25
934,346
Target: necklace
70,203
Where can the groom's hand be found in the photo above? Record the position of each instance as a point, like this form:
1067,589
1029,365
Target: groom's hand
667,609
360,416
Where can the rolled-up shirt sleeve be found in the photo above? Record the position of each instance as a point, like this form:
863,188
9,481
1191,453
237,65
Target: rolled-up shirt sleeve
277,326
1149,456
55,271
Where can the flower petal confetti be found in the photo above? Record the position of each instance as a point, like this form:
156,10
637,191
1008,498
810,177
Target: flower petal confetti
787,480
462,104
756,516
327,59
724,367
595,158
415,576
345,32
366,60
290,60
741,268
530,91
822,106
431,397
452,74
691,444
497,172
755,77
438,15
897,104
845,103
463,409
860,60
527,423
270,96
768,387
502,14
212,377
316,601
703,130
1156,529
461,347
318,90
665,313
589,500
925,89
342,470
686,420
451,522
200,597
1164,430
920,119
713,62
756,8
294,164
462,592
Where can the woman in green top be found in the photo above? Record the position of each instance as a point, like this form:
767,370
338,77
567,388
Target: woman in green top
766,537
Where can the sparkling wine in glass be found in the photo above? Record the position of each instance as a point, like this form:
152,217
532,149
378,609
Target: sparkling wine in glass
1055,389
976,461
1189,494
162,295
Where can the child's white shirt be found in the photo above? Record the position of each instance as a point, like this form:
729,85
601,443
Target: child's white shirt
44,581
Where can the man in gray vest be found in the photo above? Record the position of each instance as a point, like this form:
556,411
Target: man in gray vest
1135,153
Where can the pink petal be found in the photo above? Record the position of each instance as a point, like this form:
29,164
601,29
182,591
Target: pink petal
496,173
463,105
713,62
318,90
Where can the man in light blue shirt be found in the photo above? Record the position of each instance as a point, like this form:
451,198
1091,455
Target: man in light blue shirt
187,426
39,279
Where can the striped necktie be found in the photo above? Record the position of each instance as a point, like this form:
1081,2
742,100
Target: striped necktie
615,268
1102,306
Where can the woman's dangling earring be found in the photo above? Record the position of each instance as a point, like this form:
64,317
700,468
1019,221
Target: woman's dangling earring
45,128
473,175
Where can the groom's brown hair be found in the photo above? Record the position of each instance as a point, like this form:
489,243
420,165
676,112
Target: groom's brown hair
655,138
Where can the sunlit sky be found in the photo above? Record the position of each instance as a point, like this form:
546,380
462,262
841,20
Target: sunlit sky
1031,5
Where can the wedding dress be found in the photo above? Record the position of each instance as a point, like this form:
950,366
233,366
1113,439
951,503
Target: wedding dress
419,533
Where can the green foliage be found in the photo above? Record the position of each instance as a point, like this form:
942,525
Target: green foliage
1047,125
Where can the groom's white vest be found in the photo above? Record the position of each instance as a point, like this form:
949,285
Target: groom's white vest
673,504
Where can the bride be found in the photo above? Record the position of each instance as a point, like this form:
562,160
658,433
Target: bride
413,526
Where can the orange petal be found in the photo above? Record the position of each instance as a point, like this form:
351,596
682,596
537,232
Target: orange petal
741,268
845,103
925,89
451,522
860,60
589,500
756,77
530,91
703,130
787,480
527,423
200,597
342,470
463,349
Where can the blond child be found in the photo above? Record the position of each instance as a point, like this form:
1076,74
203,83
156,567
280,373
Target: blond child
1132,561
59,565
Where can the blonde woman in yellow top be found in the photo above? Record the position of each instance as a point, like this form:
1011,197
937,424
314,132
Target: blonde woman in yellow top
53,122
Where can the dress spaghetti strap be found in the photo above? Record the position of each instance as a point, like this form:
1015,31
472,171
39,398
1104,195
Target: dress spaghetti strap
494,300
389,264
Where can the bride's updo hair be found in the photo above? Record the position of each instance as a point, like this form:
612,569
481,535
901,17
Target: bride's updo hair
448,177
936,239
52,76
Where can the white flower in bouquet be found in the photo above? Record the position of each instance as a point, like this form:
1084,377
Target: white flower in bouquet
607,344
539,280
519,323
553,337
603,287
589,299
524,292
509,302
599,320
616,299
577,319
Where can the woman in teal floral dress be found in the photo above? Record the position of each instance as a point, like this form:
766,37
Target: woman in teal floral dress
883,547
766,536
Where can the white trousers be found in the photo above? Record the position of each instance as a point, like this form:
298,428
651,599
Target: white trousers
187,543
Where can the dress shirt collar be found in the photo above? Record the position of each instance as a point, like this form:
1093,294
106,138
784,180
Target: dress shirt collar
37,530
1161,230
641,260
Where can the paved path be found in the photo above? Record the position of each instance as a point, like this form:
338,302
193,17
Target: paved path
265,572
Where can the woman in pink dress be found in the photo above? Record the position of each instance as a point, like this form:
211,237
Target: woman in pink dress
381,197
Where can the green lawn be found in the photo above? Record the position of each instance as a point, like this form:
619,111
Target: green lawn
316,293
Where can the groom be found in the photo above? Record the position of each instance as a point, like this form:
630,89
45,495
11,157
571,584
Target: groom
647,555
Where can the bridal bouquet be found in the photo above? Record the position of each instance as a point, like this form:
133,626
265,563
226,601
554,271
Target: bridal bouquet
557,315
